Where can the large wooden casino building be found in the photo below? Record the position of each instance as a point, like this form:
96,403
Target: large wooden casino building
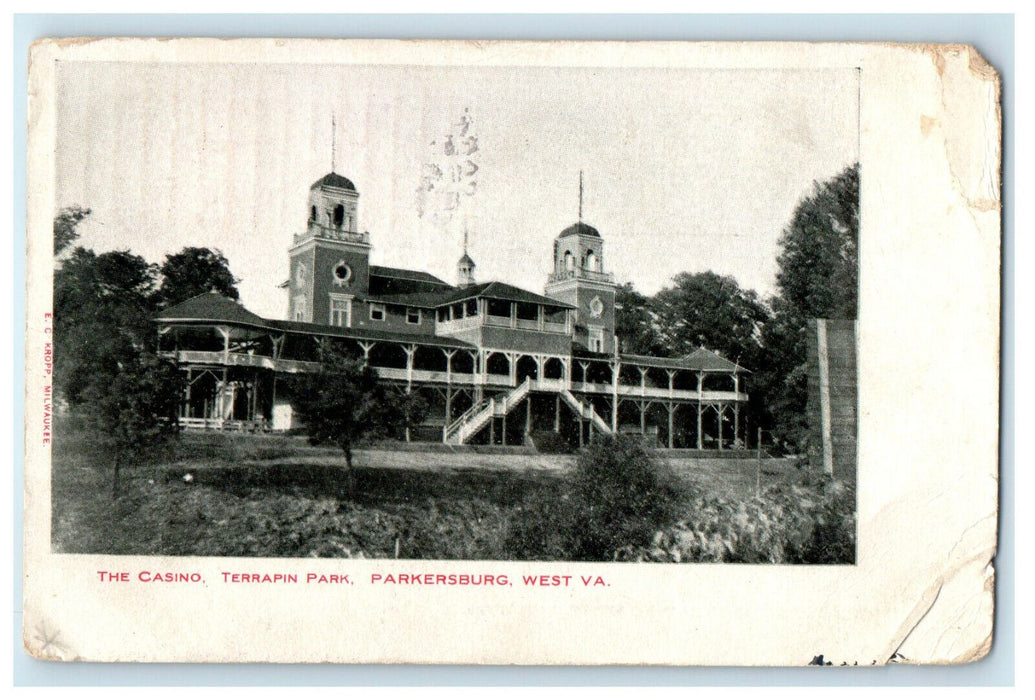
496,363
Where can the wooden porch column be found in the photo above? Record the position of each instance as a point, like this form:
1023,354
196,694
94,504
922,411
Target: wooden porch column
736,422
616,371
410,351
585,370
700,438
528,414
643,416
190,382
225,332
643,380
367,347
255,395
557,414
671,423
720,412
449,391
222,394
475,371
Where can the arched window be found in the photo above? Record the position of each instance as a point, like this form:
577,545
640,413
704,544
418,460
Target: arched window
339,215
312,213
569,260
591,261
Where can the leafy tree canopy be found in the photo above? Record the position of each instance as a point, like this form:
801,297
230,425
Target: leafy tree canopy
345,403
66,224
102,306
818,278
634,322
134,408
194,271
709,310
819,260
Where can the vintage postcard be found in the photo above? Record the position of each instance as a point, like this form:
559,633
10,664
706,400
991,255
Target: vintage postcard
511,353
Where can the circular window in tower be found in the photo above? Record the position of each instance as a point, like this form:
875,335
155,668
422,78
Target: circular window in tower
596,307
300,274
342,274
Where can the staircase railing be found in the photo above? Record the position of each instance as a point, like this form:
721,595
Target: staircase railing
586,411
453,427
472,420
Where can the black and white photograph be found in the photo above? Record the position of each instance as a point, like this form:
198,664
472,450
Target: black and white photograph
427,313
449,326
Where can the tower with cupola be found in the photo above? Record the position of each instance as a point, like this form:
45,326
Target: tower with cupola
465,267
578,278
330,260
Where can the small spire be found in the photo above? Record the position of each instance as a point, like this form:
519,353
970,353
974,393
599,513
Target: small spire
580,196
334,142
465,239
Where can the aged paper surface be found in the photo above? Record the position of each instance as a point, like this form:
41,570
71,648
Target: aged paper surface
925,124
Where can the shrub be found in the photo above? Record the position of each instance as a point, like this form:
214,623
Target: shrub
617,494
809,522
549,442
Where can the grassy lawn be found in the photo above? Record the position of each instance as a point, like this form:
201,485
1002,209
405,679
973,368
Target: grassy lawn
243,495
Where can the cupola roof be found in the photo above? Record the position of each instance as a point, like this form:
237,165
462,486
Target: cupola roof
581,229
333,179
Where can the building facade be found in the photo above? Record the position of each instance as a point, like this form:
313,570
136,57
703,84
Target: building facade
497,364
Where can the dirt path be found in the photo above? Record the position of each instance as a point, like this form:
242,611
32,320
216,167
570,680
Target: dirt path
433,461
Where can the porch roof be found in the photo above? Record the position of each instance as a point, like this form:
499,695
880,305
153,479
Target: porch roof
700,360
210,307
213,308
503,291
372,335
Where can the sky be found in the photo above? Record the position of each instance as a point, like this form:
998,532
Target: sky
683,170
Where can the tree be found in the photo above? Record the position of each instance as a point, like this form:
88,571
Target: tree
710,310
102,309
66,224
134,408
819,263
345,403
194,271
634,322
817,278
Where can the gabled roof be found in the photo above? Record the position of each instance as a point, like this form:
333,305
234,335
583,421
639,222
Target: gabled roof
500,290
700,360
421,300
709,360
366,334
210,306
399,273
